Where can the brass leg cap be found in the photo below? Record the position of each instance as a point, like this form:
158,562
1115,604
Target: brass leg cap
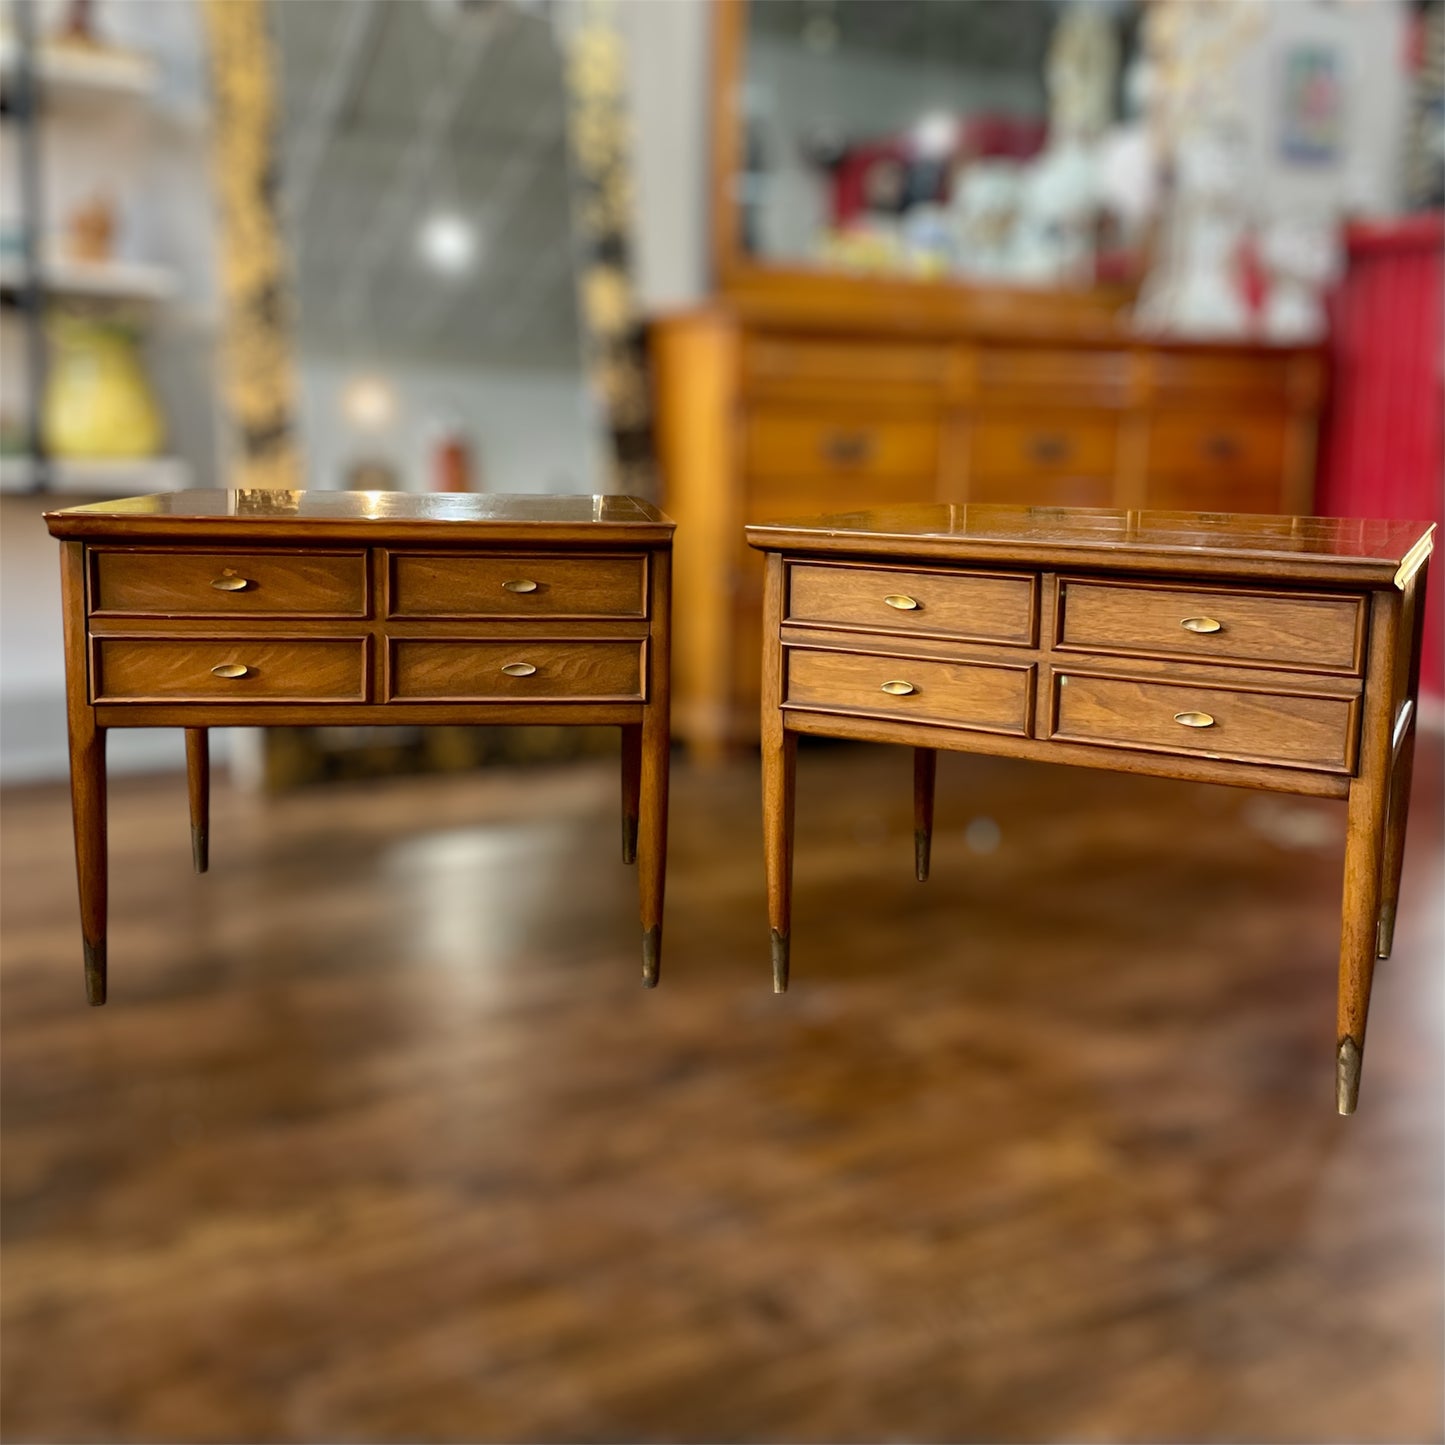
780,962
629,840
922,847
1385,931
651,955
200,849
1347,1076
94,973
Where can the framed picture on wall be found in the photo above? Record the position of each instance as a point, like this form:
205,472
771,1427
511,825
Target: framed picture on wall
1312,105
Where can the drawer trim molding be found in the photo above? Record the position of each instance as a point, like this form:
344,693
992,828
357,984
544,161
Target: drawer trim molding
387,694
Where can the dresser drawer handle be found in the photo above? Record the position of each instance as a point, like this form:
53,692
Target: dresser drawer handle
519,669
899,689
1220,448
521,584
1201,624
901,602
230,583
847,448
231,669
1049,448
1194,719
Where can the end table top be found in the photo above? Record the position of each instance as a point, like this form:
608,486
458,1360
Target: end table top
1326,549
303,517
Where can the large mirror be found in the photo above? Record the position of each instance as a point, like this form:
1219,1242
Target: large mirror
975,139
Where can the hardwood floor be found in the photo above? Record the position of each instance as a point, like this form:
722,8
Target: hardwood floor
380,1139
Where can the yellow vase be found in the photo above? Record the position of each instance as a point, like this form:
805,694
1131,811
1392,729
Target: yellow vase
98,402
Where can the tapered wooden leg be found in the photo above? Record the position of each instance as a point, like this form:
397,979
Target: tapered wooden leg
87,799
198,786
1396,817
652,841
925,770
1365,852
780,767
631,787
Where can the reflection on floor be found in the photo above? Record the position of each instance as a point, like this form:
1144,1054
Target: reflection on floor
381,1139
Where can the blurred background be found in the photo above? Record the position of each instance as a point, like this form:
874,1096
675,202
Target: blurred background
377,1138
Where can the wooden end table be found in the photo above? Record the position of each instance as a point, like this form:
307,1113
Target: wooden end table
1268,652
276,608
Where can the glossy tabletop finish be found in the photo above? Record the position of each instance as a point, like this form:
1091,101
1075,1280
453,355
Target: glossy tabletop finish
311,609
366,516
1279,653
1361,551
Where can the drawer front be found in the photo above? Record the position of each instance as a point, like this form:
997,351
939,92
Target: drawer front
806,444
1207,721
1215,493
1321,633
1052,374
1040,490
252,669
1219,378
228,584
784,365
1215,446
440,670
981,607
1043,446
517,585
983,697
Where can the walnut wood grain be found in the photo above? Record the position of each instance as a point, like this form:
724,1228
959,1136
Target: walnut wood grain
991,697
182,670
978,606
1246,726
182,582
198,792
517,585
445,669
1321,634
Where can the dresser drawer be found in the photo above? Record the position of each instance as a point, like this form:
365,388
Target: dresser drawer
985,697
806,443
1216,446
251,669
1207,721
1043,446
508,584
1296,630
982,607
446,670
831,369
227,584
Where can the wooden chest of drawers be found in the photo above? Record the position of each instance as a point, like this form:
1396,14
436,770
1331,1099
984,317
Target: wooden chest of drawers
1270,652
204,609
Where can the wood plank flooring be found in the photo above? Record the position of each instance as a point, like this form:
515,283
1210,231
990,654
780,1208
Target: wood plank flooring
380,1138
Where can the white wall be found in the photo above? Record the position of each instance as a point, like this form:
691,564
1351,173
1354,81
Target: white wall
530,431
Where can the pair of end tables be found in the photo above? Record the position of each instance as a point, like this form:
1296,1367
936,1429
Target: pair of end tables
1279,653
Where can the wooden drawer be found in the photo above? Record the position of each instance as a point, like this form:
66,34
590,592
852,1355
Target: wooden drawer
163,669
1218,378
1229,723
1302,630
1043,446
805,444
984,697
1053,374
1214,493
227,584
979,606
448,670
787,366
515,584
1043,491
1216,447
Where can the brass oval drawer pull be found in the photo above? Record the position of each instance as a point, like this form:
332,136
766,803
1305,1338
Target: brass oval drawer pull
521,584
901,602
231,669
229,583
1201,624
1194,719
899,689
519,669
